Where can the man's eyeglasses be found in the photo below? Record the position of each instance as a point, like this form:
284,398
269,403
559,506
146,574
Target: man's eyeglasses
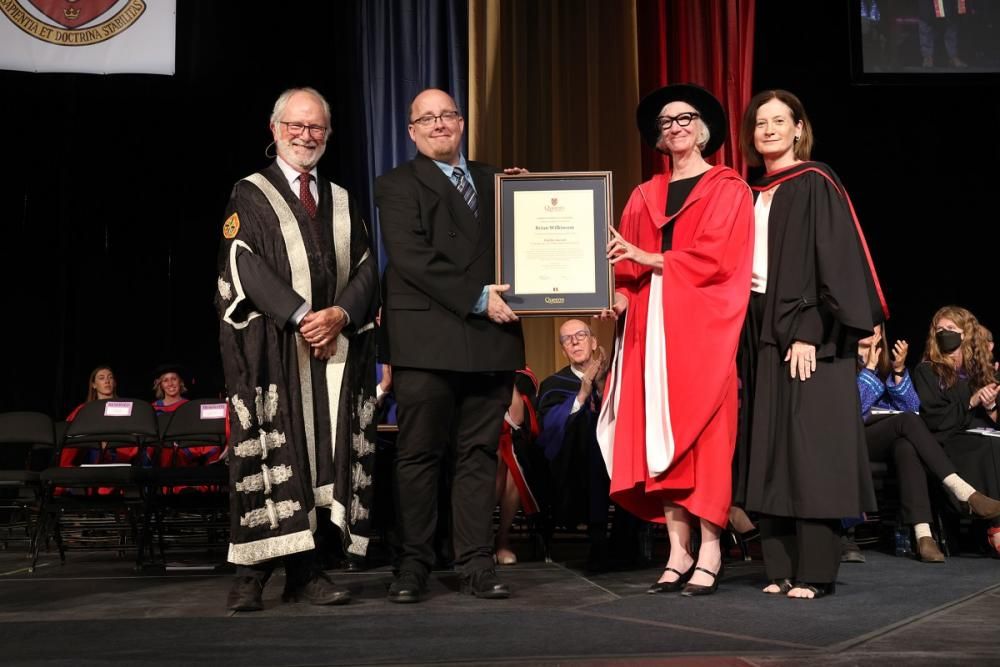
577,337
682,119
429,119
295,129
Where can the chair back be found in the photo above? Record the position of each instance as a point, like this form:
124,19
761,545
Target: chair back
21,435
200,421
121,422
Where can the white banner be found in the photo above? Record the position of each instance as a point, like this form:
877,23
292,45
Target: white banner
99,36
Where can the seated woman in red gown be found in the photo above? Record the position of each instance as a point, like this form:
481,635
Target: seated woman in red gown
682,263
100,387
169,387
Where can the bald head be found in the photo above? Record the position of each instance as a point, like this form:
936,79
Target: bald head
436,137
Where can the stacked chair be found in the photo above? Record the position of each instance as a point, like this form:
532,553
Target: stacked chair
27,441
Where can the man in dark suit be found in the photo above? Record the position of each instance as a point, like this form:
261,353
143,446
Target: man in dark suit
296,294
454,345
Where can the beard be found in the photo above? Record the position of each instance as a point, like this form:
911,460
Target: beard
301,160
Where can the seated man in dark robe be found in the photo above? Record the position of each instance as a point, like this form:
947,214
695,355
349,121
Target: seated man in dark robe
568,404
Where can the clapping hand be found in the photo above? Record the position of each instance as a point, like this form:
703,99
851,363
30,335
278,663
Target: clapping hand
899,351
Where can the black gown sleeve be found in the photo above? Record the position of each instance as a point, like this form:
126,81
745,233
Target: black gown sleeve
266,290
360,296
945,411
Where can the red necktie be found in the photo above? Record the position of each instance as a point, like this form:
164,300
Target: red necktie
305,194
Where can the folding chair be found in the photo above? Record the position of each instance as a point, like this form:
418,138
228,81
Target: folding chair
99,493
188,497
27,440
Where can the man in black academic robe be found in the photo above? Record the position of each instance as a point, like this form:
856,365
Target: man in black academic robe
569,402
296,294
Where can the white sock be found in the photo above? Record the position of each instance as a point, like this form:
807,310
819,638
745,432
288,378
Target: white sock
921,530
958,487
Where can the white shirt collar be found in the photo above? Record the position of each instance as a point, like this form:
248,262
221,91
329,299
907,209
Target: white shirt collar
292,174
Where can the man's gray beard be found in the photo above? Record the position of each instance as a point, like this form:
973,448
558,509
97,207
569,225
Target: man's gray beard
288,148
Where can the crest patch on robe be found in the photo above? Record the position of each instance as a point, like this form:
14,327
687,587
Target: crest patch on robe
231,227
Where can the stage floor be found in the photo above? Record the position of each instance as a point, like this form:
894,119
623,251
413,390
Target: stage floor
95,610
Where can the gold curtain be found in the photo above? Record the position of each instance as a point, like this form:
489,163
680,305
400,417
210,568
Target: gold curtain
553,86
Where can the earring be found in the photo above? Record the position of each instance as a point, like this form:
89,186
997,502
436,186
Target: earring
271,157
796,140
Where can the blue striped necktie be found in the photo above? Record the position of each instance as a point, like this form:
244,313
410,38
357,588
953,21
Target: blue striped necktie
466,190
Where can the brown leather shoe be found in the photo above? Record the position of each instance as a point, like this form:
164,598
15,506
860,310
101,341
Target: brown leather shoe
319,590
983,506
246,595
928,551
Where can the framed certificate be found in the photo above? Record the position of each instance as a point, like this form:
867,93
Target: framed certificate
551,239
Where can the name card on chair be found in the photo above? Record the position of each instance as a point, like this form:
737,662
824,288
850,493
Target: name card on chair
118,409
213,411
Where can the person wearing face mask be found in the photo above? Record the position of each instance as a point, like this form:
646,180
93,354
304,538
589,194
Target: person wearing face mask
894,432
296,295
957,386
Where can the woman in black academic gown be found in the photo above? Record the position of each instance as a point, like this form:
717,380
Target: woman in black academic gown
814,294
957,386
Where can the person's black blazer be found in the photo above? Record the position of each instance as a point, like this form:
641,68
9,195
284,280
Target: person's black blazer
440,257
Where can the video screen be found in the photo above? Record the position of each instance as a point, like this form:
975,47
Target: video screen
929,36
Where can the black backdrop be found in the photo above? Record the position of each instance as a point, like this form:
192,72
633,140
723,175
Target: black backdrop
115,185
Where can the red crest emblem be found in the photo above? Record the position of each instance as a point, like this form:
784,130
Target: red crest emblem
73,13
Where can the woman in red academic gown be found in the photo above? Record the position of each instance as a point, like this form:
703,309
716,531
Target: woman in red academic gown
682,261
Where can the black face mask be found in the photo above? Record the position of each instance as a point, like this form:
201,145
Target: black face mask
948,341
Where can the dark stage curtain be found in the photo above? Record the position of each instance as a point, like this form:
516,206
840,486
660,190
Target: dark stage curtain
709,43
406,46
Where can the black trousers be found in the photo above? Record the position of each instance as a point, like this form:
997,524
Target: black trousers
299,568
906,441
803,550
461,414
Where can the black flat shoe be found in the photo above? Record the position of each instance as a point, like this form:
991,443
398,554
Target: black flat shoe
672,586
784,585
818,590
692,590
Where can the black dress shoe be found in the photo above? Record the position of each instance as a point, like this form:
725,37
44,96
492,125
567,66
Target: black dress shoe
407,587
675,585
355,565
485,584
693,590
319,590
246,595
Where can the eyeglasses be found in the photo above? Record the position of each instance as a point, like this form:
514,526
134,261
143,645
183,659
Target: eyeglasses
429,119
682,119
577,337
295,129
